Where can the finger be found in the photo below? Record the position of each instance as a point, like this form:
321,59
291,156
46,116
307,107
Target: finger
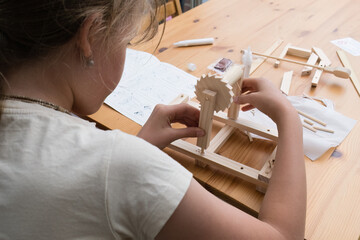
184,113
247,107
186,132
189,122
249,84
242,99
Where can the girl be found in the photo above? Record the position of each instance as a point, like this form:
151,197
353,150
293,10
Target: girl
62,178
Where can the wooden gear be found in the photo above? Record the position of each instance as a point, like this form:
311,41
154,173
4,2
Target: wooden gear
214,83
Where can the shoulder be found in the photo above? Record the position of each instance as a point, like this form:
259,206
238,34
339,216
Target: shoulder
144,188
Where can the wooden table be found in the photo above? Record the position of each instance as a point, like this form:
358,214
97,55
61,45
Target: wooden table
333,181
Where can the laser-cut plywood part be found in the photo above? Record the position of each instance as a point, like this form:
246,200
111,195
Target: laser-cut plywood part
224,94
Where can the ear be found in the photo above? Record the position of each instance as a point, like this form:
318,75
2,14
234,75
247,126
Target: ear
85,33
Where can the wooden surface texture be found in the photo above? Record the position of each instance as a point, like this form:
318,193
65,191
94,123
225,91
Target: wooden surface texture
333,181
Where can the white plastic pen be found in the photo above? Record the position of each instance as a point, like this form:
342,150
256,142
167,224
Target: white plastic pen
194,42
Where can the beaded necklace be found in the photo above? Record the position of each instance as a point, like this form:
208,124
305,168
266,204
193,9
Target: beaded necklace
37,101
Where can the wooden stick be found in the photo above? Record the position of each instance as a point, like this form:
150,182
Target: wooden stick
323,129
243,124
308,122
309,127
337,71
257,62
311,118
221,137
345,61
227,165
311,98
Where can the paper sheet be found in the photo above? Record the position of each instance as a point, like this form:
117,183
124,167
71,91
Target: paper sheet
349,45
146,82
315,144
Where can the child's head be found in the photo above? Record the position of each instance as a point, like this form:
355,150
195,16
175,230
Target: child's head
65,34
31,29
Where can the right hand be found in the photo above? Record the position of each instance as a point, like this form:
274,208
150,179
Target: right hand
263,95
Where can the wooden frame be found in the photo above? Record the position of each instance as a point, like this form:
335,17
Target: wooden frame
205,152
209,156
298,52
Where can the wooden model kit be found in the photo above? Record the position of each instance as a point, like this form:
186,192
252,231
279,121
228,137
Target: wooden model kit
312,57
215,95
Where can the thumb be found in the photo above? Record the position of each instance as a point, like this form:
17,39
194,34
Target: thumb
178,133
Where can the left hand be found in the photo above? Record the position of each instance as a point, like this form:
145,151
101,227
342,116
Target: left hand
158,130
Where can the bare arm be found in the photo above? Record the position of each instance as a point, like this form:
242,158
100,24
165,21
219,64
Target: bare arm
200,215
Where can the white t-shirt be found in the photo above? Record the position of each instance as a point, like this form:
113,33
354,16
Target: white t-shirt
62,178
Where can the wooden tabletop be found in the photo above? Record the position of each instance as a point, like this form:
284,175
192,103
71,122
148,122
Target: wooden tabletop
333,181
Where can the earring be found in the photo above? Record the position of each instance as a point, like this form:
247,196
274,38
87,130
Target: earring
89,61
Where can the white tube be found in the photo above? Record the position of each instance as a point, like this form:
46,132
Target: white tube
194,42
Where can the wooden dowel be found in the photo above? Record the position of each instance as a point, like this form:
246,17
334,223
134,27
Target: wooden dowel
324,129
311,118
337,71
309,127
308,122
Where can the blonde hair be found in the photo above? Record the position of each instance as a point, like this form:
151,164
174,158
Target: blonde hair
31,29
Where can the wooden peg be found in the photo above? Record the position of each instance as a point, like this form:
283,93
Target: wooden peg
220,138
309,127
323,129
311,118
308,122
